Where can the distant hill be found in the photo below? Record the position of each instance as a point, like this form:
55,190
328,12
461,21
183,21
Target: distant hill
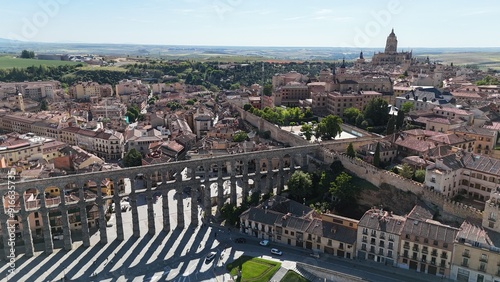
5,40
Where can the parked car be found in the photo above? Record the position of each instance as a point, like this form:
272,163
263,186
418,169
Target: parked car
264,243
240,240
276,252
58,237
210,257
315,255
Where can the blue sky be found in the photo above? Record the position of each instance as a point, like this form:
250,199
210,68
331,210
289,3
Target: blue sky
320,23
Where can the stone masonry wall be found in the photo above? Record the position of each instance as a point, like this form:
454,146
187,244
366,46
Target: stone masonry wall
449,209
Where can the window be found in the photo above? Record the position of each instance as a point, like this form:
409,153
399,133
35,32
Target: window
465,262
435,243
389,253
391,245
37,223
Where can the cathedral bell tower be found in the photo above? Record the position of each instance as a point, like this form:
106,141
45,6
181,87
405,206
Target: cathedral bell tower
391,46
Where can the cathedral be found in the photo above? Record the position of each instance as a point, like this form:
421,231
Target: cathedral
391,56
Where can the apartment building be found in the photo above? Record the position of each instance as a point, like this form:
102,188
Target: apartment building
475,175
35,90
426,245
89,89
105,144
485,138
378,236
337,102
288,222
476,254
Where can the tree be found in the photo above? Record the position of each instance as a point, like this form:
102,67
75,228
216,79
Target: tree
407,107
132,158
420,175
247,107
343,190
300,185
240,136
400,119
268,89
329,127
376,156
350,151
406,171
25,54
390,126
44,106
377,112
307,129
351,114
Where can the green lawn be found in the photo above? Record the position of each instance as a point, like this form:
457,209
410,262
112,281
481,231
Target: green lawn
7,62
253,269
292,276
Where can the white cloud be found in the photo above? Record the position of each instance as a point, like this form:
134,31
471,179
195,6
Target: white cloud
323,12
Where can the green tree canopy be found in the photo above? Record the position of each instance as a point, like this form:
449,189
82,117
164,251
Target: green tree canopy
376,112
350,151
25,54
300,184
406,171
407,107
351,114
268,89
240,136
307,129
390,126
376,156
400,119
329,127
132,158
247,107
343,190
420,175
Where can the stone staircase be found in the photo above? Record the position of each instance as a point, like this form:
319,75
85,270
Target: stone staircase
306,274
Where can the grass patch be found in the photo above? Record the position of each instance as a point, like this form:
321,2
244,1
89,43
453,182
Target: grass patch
292,276
8,62
253,269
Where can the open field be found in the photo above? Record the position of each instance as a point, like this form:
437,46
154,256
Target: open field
7,62
483,60
110,68
253,269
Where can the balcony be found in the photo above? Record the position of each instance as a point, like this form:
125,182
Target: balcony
363,248
483,259
434,253
406,246
444,256
365,232
466,254
415,249
364,240
425,251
